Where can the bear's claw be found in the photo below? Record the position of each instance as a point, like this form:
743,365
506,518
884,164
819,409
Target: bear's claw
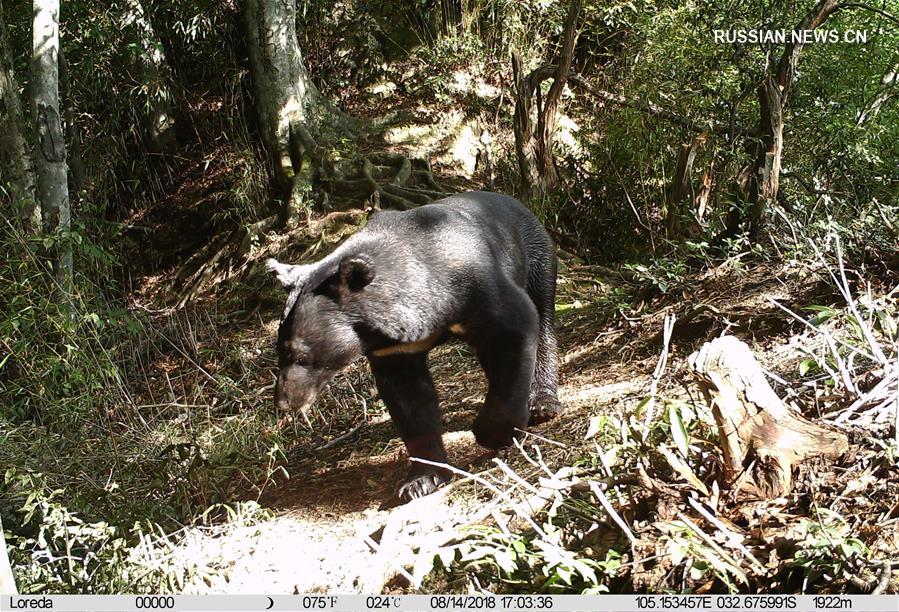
419,485
544,408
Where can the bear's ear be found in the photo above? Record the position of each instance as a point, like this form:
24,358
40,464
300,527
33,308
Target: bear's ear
287,274
355,272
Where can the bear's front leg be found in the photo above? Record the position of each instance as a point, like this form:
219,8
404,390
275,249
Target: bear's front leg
506,344
405,385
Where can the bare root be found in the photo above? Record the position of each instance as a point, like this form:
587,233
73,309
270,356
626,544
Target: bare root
387,180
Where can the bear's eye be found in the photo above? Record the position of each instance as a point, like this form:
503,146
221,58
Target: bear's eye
297,353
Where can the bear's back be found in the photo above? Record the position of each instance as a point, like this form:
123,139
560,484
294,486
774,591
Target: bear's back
469,220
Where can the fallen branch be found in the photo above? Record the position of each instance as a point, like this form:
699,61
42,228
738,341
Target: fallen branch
517,508
594,487
732,538
712,544
384,561
667,329
334,442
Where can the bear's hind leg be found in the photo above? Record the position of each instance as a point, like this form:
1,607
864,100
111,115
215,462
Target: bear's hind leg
544,400
405,385
506,344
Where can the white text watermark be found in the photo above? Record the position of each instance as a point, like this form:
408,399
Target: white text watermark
790,36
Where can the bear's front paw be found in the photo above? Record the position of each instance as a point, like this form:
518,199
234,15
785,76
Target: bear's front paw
491,433
419,485
543,408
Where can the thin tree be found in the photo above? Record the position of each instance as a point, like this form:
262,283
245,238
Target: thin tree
155,77
50,149
15,157
72,133
534,144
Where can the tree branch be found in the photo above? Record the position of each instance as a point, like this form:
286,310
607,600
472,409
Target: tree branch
653,109
787,66
538,75
806,185
565,57
887,91
870,8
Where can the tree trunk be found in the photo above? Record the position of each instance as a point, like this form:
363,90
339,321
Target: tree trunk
15,157
285,95
758,432
534,148
7,580
50,152
765,179
525,143
546,119
156,78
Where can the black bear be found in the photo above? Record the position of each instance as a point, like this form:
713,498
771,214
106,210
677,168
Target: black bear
478,266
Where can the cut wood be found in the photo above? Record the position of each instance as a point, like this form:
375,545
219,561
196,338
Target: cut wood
755,426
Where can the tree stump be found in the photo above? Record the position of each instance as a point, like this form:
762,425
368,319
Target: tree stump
758,431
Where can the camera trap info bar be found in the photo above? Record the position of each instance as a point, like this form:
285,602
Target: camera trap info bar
440,603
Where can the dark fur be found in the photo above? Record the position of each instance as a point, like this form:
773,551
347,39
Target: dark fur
476,265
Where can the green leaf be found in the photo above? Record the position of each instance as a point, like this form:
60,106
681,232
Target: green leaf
825,313
678,431
806,366
641,407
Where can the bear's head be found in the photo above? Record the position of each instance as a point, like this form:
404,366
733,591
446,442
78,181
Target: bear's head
316,339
